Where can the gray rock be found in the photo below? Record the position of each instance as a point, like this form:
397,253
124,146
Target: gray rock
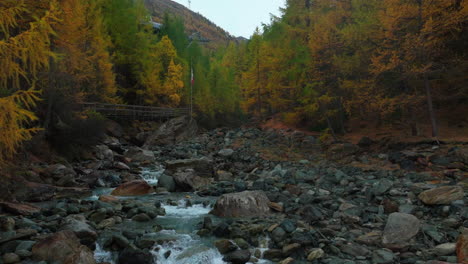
172,132
315,253
288,226
167,182
381,187
238,257
135,256
23,253
354,250
243,204
10,258
382,256
226,152
140,155
7,224
202,166
189,180
442,195
278,234
399,230
79,225
445,249
225,246
141,218
25,245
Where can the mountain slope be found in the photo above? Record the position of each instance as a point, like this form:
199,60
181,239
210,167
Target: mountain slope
194,22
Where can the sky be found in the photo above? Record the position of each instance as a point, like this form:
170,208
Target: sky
238,17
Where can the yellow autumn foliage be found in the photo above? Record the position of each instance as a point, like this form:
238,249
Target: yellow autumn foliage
15,114
22,56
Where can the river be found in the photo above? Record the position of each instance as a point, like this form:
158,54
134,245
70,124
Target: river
179,227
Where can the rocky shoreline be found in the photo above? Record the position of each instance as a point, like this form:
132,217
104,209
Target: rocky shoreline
313,203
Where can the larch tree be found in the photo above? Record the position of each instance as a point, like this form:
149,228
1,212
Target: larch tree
24,54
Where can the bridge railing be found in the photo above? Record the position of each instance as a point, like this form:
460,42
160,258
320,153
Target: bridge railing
135,111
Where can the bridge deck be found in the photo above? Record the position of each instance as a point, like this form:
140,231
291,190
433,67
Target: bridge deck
137,112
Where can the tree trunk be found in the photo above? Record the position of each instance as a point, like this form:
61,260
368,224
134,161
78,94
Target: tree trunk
413,122
432,116
343,130
332,131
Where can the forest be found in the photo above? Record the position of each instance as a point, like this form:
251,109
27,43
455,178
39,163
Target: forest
336,134
319,65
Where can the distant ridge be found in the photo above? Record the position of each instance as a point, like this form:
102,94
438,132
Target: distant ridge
194,22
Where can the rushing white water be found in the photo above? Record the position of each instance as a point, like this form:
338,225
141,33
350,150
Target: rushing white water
185,249
100,255
151,176
262,247
183,211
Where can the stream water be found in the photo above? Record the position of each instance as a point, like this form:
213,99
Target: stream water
179,225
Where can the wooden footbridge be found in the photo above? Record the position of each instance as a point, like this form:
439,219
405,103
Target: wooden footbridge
135,112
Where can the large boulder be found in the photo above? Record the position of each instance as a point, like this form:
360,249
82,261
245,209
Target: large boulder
442,195
189,181
202,166
172,132
62,247
399,230
133,188
136,154
243,204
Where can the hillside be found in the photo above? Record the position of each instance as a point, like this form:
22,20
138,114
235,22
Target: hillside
194,22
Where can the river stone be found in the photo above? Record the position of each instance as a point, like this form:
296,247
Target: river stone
381,187
167,182
25,245
226,152
442,195
243,204
278,234
108,199
225,246
141,218
288,226
7,224
133,188
273,254
189,181
62,247
23,253
400,228
315,253
462,246
79,226
19,209
140,155
202,166
10,258
445,249
135,256
238,257
382,256
291,248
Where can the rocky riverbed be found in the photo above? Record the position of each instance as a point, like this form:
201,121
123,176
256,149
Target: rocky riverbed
241,195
